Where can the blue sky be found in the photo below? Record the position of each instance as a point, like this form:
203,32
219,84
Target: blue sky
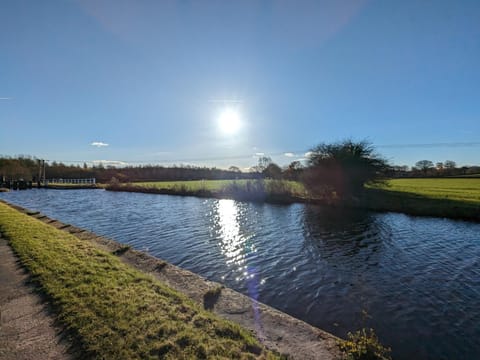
149,78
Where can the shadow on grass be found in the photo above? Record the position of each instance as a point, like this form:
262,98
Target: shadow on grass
210,298
413,204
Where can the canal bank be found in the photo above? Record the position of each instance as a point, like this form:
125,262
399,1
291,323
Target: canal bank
274,329
413,279
373,199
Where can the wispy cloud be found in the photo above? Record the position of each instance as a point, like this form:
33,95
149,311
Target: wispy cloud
289,154
109,163
99,144
259,154
6,98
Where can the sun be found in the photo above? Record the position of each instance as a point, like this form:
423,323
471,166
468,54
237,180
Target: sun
229,121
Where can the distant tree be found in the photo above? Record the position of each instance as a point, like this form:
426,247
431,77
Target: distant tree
272,171
294,170
264,161
398,170
439,166
450,164
474,170
343,168
262,164
234,169
424,165
295,165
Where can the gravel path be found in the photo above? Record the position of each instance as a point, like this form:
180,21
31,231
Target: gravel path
27,330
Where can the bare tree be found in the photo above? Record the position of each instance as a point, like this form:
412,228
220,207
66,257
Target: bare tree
424,165
450,164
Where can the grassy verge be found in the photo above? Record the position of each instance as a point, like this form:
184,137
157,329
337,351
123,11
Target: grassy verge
453,198
465,190
114,311
252,190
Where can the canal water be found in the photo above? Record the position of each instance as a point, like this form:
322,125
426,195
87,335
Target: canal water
415,280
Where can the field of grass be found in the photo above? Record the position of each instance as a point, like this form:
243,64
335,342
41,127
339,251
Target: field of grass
192,185
445,197
114,311
218,185
465,190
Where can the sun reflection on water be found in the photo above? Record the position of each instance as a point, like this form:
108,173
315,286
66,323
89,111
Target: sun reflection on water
237,246
234,243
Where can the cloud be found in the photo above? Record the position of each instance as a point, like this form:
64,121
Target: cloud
259,154
99,144
308,154
5,98
289,154
109,163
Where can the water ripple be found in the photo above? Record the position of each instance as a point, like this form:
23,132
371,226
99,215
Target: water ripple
415,280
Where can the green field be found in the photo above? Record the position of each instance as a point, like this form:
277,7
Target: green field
464,190
114,311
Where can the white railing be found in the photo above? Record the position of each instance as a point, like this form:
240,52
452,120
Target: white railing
90,181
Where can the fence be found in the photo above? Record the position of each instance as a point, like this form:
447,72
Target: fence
89,181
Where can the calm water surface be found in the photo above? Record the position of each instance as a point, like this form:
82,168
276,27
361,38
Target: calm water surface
415,280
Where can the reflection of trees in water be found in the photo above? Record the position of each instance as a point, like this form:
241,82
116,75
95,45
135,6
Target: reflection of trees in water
343,237
345,249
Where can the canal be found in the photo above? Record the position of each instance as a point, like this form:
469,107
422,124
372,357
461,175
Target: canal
415,280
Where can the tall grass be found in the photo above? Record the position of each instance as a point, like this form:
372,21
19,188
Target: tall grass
252,190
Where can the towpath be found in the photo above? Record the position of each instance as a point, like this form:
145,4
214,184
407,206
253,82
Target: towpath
27,330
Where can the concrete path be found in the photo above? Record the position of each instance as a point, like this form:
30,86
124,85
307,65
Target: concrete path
27,331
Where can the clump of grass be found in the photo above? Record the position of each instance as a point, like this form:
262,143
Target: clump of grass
113,310
160,265
211,296
121,250
364,345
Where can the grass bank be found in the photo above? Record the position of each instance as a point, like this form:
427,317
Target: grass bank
457,198
114,311
277,191
446,197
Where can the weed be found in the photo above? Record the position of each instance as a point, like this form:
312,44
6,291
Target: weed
364,345
121,250
211,297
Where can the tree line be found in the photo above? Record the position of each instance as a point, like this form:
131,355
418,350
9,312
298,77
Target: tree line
340,169
28,168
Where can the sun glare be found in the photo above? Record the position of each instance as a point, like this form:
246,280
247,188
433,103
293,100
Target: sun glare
229,121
